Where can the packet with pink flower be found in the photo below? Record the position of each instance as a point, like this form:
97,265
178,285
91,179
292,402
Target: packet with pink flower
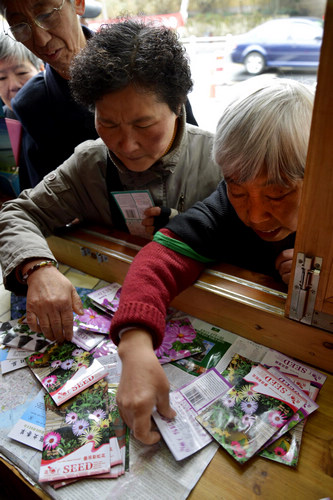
250,413
106,298
64,370
180,341
76,439
93,321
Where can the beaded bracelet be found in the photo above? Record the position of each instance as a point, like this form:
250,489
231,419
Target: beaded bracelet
38,266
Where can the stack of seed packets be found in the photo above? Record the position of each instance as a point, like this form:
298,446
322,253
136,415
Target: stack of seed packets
92,435
250,408
76,440
257,414
285,445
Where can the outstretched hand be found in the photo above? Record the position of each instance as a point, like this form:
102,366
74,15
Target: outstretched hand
143,385
51,300
283,264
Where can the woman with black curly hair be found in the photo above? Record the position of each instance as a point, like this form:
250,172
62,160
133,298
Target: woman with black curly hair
135,78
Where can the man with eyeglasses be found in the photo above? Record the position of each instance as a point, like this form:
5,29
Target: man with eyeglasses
54,123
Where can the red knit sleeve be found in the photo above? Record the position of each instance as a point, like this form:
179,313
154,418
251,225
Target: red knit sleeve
155,277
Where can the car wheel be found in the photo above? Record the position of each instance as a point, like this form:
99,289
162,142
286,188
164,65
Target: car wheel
254,63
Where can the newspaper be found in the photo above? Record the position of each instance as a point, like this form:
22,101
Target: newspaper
153,473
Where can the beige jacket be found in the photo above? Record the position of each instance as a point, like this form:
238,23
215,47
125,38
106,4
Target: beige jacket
77,189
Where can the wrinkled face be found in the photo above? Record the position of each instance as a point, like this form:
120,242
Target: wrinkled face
13,75
270,210
135,127
56,46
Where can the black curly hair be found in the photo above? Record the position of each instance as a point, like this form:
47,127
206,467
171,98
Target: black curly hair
149,57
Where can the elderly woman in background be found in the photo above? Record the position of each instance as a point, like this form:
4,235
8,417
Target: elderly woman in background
136,79
17,66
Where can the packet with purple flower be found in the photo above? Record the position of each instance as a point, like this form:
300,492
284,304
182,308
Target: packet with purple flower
180,341
76,439
106,298
250,413
64,370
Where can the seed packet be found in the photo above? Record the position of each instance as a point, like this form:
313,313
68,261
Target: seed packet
250,413
93,321
180,341
107,298
104,348
76,439
29,429
12,359
86,340
216,342
183,435
65,370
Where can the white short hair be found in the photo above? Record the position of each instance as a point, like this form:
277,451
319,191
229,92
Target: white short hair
266,130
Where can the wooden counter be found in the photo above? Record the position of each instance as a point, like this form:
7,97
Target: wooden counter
243,302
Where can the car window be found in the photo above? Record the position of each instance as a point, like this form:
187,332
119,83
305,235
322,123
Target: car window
273,30
305,31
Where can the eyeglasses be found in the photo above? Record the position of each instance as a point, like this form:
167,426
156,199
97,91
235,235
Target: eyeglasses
46,20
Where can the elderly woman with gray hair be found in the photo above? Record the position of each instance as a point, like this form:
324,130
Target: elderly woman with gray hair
250,220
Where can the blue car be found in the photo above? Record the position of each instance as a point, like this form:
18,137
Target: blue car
292,42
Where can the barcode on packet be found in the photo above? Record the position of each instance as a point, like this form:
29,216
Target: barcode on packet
193,395
130,213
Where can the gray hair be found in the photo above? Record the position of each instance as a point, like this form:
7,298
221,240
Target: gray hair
266,131
9,49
